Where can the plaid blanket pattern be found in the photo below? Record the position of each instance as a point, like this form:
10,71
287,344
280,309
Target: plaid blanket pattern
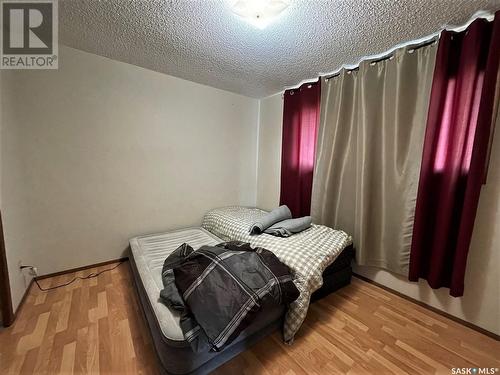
307,253
231,280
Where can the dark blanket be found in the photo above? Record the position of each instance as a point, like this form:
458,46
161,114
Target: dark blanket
219,289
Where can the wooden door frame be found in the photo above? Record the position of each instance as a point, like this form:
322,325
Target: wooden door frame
5,294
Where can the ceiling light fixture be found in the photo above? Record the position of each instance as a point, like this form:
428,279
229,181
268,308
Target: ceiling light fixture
259,13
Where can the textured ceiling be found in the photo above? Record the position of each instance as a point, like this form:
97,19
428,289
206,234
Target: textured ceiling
202,41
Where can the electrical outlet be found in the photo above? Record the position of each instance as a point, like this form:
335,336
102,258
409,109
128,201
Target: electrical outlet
31,270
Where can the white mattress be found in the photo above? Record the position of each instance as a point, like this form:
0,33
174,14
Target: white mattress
149,254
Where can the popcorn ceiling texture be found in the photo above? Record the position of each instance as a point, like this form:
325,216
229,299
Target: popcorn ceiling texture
204,42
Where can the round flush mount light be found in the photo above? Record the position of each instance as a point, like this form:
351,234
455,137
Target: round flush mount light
259,13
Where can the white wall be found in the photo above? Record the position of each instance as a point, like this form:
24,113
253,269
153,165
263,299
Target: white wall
480,304
100,151
269,158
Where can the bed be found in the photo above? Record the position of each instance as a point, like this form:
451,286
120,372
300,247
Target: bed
174,353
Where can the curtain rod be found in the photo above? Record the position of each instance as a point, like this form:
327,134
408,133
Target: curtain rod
422,42
390,56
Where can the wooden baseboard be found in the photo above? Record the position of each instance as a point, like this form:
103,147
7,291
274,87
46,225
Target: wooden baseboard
81,268
432,308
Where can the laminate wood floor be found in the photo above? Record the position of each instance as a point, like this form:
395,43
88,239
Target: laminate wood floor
95,326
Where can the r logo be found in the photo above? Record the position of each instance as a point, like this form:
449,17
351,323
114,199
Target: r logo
27,28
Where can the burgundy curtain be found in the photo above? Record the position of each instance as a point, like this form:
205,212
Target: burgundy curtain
459,125
300,125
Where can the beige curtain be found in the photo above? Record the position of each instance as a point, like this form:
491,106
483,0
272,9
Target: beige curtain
368,154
